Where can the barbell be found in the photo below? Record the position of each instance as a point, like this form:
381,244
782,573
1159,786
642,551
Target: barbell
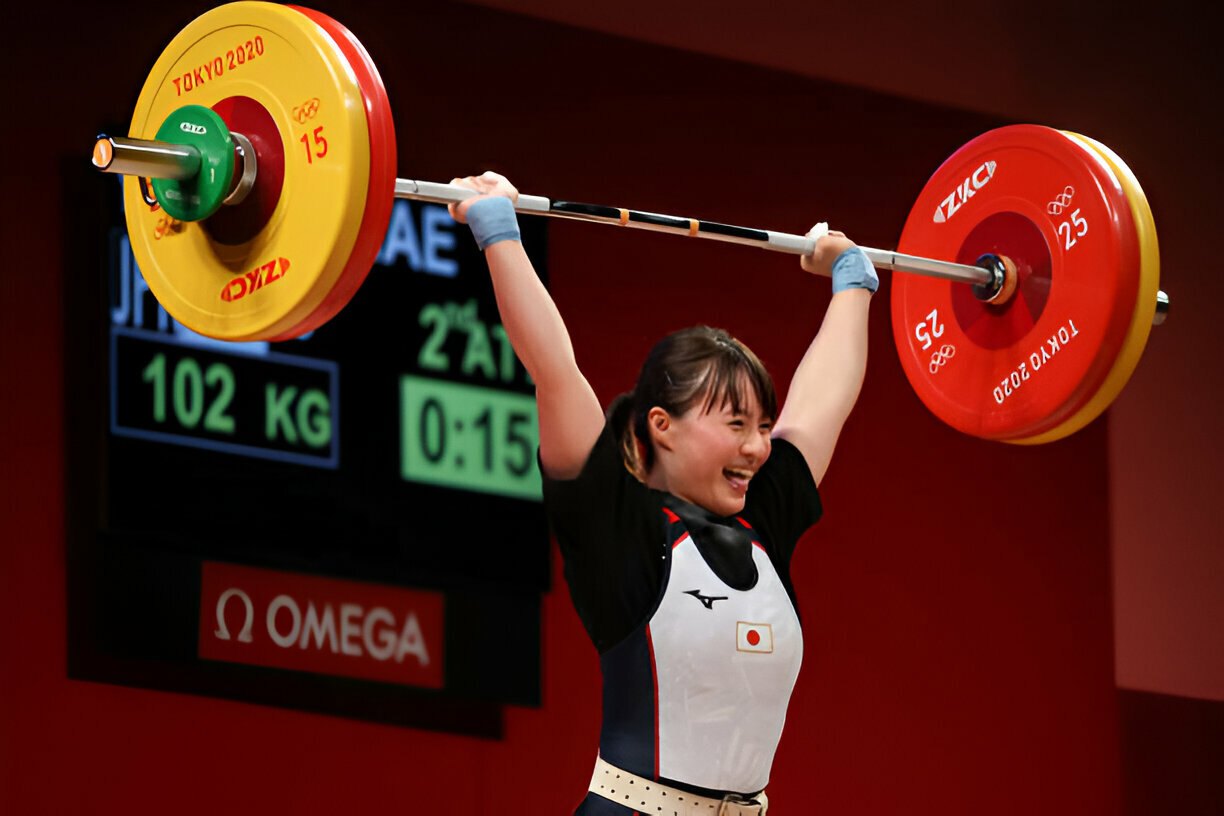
1032,252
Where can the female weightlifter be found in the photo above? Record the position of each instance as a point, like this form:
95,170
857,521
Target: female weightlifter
677,515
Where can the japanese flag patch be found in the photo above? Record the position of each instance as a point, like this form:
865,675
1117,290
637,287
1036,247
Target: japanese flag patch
753,637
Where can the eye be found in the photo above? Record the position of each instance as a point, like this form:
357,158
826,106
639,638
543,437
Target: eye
736,423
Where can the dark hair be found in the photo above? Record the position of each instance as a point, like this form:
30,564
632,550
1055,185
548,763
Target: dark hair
685,367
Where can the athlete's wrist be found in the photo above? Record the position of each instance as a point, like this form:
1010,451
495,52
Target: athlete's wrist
492,220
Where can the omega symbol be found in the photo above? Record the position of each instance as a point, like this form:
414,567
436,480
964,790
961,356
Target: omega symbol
222,633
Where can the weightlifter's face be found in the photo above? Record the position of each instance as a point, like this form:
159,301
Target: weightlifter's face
708,457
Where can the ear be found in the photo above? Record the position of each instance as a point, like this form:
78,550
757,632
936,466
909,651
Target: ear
658,423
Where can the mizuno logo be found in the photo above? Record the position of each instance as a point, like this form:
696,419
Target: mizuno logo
965,191
706,600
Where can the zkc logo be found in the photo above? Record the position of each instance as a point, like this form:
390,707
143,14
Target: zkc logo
966,190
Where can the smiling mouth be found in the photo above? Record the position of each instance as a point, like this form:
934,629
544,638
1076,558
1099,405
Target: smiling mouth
738,478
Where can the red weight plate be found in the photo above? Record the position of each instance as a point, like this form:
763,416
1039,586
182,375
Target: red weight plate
381,192
1060,214
240,223
1141,321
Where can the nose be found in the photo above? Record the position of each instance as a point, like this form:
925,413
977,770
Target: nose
755,445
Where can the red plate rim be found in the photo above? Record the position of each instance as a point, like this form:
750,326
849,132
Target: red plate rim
380,193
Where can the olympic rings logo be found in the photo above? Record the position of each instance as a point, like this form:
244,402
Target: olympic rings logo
1061,201
940,358
306,111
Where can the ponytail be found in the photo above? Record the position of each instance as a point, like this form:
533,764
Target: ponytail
620,420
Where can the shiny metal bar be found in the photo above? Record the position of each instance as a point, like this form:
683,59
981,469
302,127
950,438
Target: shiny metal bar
453,194
695,228
145,158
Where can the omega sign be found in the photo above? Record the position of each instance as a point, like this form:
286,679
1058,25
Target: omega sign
321,625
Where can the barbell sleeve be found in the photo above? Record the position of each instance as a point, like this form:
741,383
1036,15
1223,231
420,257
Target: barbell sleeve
145,158
1162,308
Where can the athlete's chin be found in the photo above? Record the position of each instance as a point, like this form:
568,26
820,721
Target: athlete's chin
728,505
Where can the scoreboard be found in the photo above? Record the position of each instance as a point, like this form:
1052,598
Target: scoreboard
349,522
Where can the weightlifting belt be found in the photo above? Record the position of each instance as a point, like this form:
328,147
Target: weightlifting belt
650,797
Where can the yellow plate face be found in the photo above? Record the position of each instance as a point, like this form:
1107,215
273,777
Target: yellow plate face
1145,308
265,286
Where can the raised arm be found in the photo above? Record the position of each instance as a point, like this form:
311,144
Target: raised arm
570,415
827,382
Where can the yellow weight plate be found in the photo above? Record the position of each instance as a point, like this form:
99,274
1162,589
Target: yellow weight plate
275,278
1145,308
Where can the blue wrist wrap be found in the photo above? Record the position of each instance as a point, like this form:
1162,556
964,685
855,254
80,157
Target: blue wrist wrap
852,270
492,219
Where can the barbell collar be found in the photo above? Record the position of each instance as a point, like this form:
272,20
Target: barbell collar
244,181
145,158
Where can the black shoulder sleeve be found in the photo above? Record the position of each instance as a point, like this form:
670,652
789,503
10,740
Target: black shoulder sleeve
783,502
611,532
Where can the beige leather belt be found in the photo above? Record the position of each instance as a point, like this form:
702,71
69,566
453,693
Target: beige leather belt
649,797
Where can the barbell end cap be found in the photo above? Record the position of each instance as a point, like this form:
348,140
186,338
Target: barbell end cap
1162,308
103,152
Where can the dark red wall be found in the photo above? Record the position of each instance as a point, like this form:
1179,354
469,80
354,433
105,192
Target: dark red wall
956,597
